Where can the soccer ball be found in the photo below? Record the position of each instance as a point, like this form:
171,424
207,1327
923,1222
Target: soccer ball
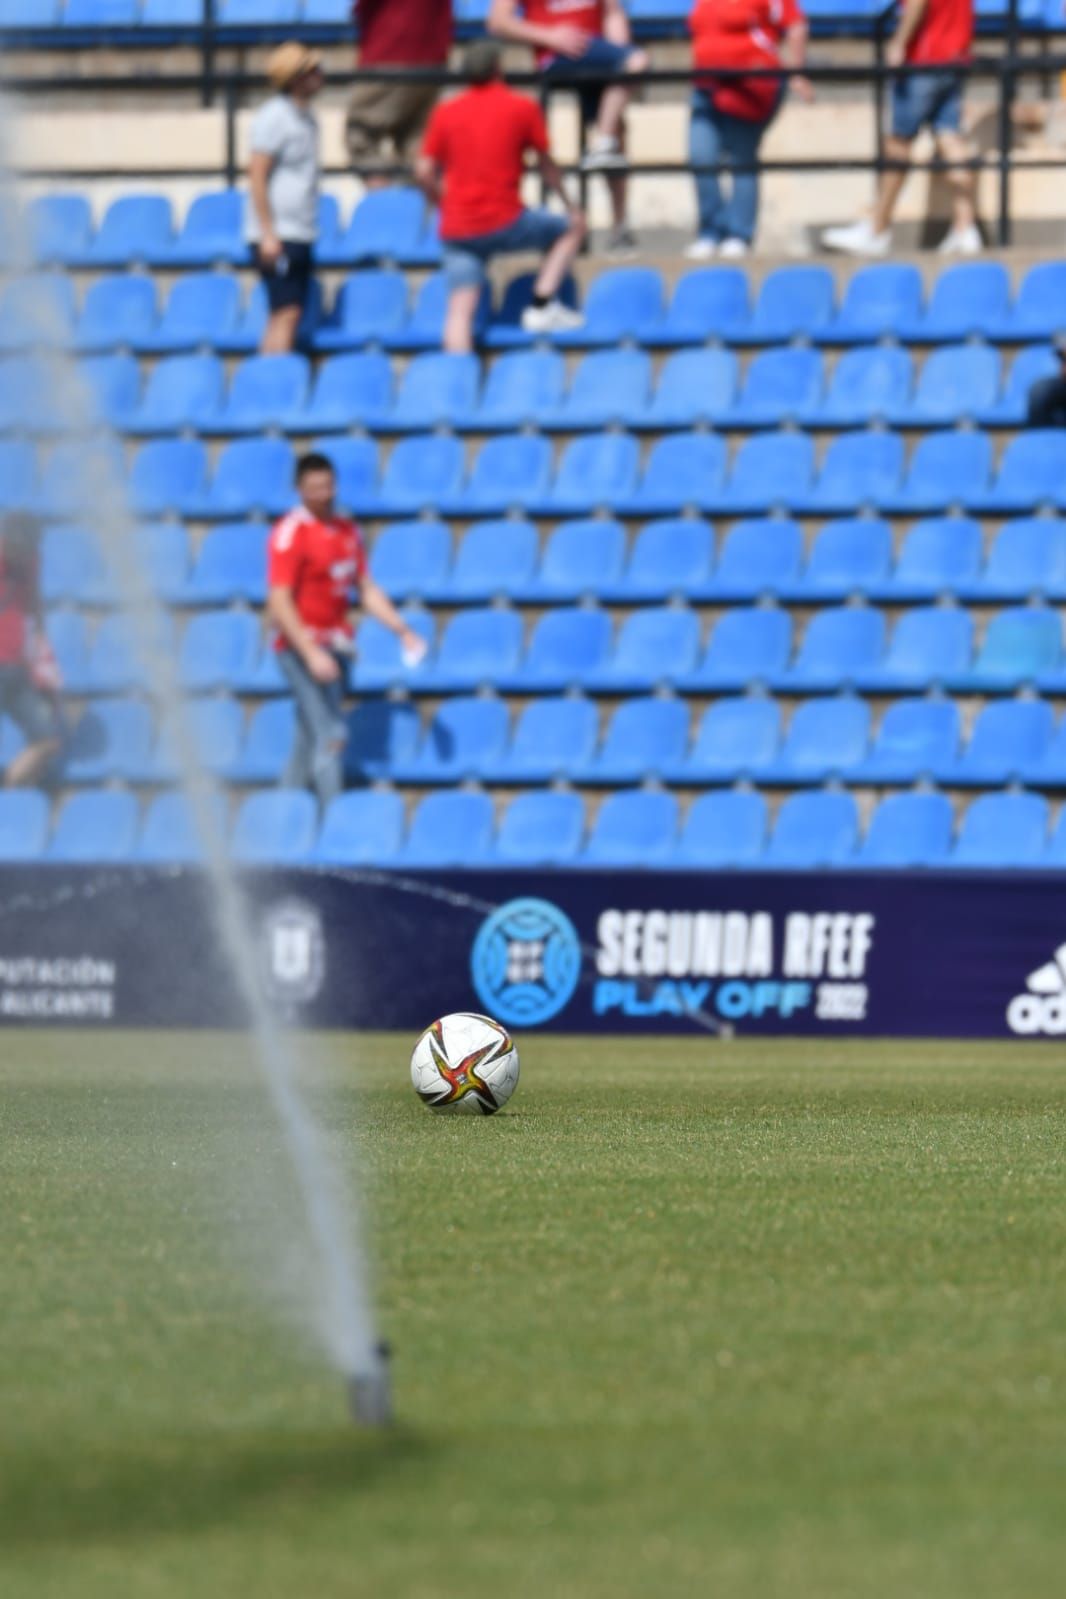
465,1063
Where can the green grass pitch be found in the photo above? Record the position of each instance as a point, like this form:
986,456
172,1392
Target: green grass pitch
745,1320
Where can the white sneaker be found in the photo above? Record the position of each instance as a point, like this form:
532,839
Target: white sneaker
701,250
962,241
857,238
621,244
555,317
733,249
603,154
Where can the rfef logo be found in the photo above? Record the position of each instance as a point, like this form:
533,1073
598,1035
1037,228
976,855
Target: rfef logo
526,962
293,951
1043,1008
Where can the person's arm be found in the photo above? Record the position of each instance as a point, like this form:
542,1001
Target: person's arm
913,12
794,55
616,28
427,177
506,22
281,609
376,603
260,166
553,181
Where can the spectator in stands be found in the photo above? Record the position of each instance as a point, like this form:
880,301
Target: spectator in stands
730,115
283,174
575,37
385,120
471,166
29,673
317,567
931,33
1047,397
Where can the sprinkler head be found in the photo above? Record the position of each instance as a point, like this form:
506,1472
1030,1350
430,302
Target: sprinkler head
370,1392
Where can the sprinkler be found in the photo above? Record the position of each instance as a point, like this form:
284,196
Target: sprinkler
370,1392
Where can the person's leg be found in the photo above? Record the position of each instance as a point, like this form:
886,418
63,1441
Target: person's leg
31,765
704,150
870,236
953,147
288,284
891,183
459,319
37,715
610,132
559,259
740,141
465,262
321,734
368,133
279,335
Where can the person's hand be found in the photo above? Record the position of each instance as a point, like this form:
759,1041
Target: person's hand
321,665
895,53
804,90
270,249
413,647
566,40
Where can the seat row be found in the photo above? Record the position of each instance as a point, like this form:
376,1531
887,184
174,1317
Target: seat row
576,647
632,828
622,305
529,389
742,739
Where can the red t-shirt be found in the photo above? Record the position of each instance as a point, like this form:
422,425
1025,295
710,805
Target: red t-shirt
584,14
945,33
737,34
479,141
407,33
18,600
323,563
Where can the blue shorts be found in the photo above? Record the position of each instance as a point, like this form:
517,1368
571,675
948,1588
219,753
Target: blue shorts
600,56
288,279
927,100
465,260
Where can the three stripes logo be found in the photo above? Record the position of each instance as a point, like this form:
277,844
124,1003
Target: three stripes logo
1042,1008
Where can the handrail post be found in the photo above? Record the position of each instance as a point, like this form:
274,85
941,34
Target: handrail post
208,51
1007,81
230,113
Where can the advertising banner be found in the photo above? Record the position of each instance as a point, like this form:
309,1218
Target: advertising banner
946,954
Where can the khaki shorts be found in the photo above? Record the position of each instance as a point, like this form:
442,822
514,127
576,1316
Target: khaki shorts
385,122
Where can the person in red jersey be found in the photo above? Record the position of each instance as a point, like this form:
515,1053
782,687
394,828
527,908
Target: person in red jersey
576,37
316,571
29,673
471,165
930,33
386,118
730,115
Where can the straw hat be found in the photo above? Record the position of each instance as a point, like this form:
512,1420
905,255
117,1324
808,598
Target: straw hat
289,62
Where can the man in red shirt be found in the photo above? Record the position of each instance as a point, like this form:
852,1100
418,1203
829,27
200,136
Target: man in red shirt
29,673
385,119
471,166
931,33
317,569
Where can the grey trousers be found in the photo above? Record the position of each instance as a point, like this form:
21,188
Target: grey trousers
317,760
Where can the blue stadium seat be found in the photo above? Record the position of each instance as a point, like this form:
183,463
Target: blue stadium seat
73,567
119,311
253,477
101,13
1037,311
758,555
722,830
608,387
512,472
276,825
929,646
369,307
230,566
217,648
877,300
382,735
18,475
476,647
505,330
551,738
957,383
837,648
968,299
866,386
37,312
1029,366
27,398
116,658
23,824
1032,473
463,734
946,469
915,739
212,233
361,829
860,469
165,559
201,311
746,647
494,559
135,228
60,228
258,13
411,559
1027,558
112,738
378,663
644,737
694,386
653,647
1048,770
216,729
267,744
265,389
348,390
622,303
541,830
1008,737
848,557
114,385
424,328
423,473
711,302
452,828
520,387
939,555
1022,645
169,476
75,471
355,461
391,225
813,829
684,472
246,336
180,390
169,832
69,638
736,738
580,559
1001,831
668,558
780,385
95,825
770,470
825,739
596,471
635,828
908,830
565,648
434,389
793,301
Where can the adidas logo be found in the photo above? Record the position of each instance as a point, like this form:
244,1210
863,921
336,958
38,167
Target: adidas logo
1042,1009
